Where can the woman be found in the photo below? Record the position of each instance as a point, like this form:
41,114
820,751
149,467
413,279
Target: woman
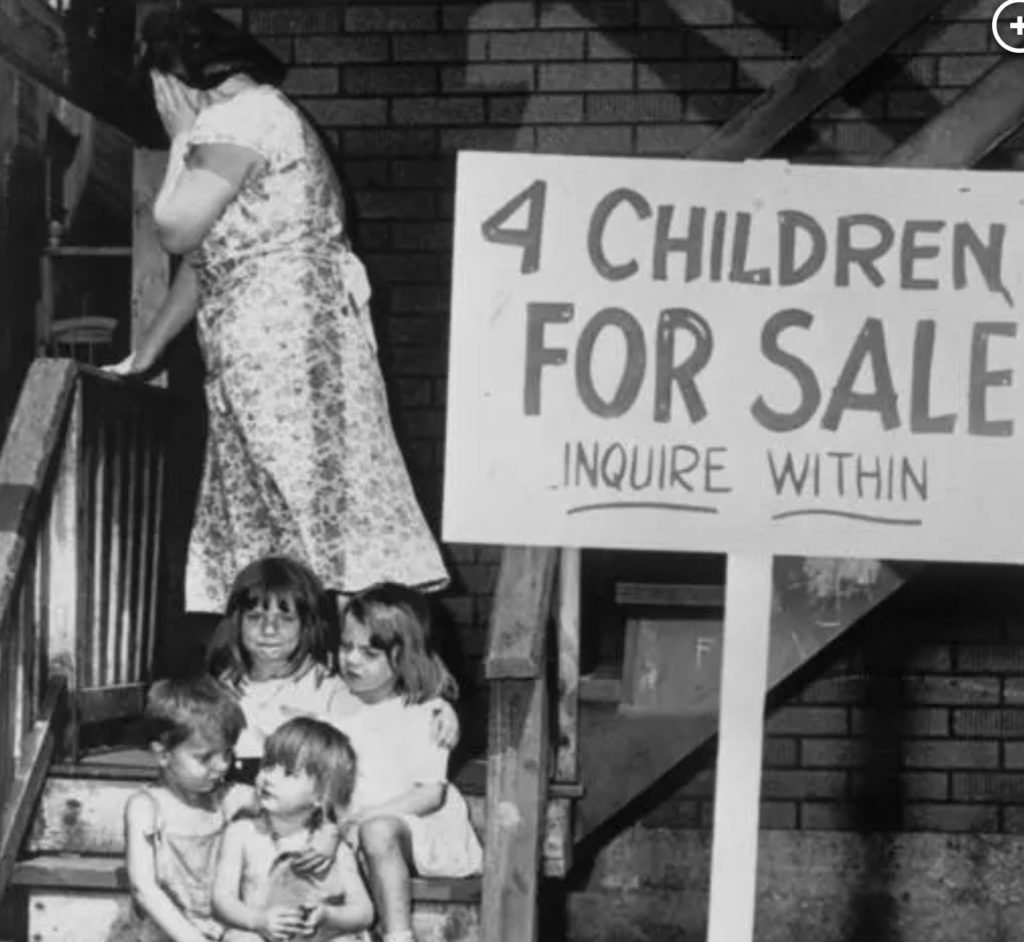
300,458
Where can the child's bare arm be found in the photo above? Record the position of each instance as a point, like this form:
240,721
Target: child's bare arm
140,860
444,723
273,923
354,911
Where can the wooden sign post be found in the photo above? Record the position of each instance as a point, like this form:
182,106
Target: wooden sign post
748,605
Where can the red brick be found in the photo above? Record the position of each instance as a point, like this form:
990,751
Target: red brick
954,691
780,752
802,783
716,106
407,329
374,174
391,18
454,139
585,140
295,21
1013,755
672,140
494,76
341,50
988,723
778,816
420,236
691,12
950,754
422,172
425,423
280,47
771,13
420,299
918,721
395,204
990,659
801,41
863,137
536,109
429,110
535,47
604,14
493,15
418,361
387,141
910,786
951,818
312,81
390,79
658,44
958,71
427,48
829,816
609,46
912,103
347,112
988,786
586,77
395,268
976,10
734,42
808,721
689,76
374,236
833,753
936,37
760,74
634,108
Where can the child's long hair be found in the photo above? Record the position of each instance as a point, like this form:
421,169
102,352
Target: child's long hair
177,710
321,751
279,576
400,624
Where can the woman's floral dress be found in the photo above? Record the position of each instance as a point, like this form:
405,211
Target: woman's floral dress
301,458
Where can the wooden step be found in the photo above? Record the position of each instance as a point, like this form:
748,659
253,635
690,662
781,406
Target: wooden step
75,898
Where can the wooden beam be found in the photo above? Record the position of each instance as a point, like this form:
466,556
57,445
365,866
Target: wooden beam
522,606
812,81
35,39
970,126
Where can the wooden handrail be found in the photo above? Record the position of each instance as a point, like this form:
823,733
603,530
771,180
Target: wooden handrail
82,465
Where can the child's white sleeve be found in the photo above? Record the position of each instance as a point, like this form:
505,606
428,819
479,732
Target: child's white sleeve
427,761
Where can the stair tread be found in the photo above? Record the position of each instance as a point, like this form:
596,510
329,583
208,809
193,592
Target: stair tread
93,872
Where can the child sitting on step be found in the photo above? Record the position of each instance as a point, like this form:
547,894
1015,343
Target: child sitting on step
406,817
274,649
307,771
173,829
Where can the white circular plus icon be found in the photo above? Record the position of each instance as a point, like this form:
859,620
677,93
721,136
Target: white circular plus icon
1016,25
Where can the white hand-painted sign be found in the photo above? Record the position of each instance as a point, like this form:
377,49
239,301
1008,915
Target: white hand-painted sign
686,355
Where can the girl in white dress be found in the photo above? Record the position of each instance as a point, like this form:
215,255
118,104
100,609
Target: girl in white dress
405,816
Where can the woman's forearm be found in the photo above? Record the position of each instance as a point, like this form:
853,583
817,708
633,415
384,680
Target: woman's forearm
178,308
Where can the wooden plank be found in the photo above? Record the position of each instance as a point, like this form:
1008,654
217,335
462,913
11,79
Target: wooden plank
34,40
108,873
29,779
522,601
748,609
972,125
567,759
812,81
30,450
671,594
517,774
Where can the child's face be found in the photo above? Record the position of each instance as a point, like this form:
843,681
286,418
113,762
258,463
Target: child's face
365,669
283,792
271,631
197,766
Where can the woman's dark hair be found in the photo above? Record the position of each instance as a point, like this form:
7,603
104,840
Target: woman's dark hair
400,624
202,49
284,578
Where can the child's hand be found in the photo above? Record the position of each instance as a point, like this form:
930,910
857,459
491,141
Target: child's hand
444,724
279,923
316,857
312,917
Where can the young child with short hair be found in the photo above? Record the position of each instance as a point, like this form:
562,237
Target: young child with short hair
173,829
307,772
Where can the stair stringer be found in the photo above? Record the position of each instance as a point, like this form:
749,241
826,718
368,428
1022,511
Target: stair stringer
624,754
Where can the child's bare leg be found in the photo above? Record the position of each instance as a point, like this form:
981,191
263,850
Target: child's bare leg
385,846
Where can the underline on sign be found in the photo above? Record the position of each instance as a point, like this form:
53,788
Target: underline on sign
849,515
643,505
